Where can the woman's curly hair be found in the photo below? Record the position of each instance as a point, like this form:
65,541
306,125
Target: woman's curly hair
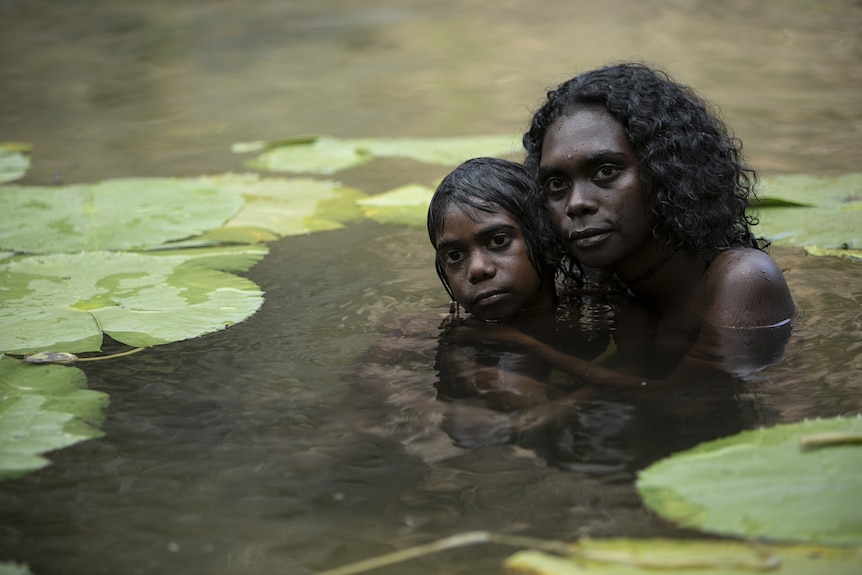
697,183
493,185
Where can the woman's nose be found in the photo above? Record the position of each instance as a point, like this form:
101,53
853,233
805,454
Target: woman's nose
580,201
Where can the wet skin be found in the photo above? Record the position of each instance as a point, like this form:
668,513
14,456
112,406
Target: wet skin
485,259
589,171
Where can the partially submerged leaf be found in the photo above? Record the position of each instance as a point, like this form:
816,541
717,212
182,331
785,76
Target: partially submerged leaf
686,557
14,161
838,253
761,484
829,228
8,568
801,189
803,210
407,205
449,151
111,215
43,408
64,302
290,206
326,155
322,155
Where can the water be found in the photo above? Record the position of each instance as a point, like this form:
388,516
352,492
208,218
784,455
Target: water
246,451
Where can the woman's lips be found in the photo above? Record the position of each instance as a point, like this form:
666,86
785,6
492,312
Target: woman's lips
589,237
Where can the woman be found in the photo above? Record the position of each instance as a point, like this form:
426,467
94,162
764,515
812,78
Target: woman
646,183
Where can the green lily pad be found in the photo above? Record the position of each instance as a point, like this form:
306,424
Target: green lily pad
43,408
763,484
804,190
805,210
8,568
686,557
838,253
288,206
407,205
14,161
326,155
64,302
112,215
441,151
318,155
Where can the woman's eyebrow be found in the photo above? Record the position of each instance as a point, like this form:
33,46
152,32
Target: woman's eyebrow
594,158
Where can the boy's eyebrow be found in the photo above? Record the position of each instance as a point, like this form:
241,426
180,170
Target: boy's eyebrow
485,231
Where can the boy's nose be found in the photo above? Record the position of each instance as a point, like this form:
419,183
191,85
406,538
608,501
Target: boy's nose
481,268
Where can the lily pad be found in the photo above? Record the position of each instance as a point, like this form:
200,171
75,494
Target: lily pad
326,154
43,408
117,214
14,161
319,155
763,484
805,210
407,205
64,302
10,568
288,206
686,557
441,151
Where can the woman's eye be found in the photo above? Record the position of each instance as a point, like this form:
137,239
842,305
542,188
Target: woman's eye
606,172
500,241
555,185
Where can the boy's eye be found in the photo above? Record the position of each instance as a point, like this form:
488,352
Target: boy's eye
606,172
453,257
499,241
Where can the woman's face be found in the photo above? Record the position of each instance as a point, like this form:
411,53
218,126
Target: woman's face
589,172
484,255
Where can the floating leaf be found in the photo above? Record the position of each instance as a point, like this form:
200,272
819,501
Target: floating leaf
289,206
828,228
407,205
686,557
830,218
43,408
838,253
7,568
14,161
441,151
320,155
112,215
64,302
326,155
805,190
761,484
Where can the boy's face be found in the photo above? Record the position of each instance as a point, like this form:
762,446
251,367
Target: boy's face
485,259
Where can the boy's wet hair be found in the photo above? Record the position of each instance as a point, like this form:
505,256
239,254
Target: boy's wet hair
697,183
497,185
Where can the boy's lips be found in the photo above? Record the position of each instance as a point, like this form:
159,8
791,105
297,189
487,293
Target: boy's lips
487,297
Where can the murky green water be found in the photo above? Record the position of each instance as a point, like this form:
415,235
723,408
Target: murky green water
246,451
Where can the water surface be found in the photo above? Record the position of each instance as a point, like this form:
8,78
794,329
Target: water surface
247,451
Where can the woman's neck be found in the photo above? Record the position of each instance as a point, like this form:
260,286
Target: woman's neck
671,282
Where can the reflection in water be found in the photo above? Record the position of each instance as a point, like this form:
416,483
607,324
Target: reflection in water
600,409
245,451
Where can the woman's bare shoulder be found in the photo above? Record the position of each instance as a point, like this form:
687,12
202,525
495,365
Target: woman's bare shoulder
745,287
